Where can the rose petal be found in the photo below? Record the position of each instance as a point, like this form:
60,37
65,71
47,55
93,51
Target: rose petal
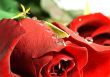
101,30
98,65
96,53
40,63
56,59
38,40
86,25
10,33
101,35
22,63
75,73
80,54
102,39
76,39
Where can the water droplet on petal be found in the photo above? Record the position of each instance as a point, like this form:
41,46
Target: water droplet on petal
47,30
60,42
54,36
76,33
80,19
89,39
34,18
42,25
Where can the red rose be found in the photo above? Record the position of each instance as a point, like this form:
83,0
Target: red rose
93,32
95,26
29,48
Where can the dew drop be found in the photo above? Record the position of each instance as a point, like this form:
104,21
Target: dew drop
48,30
76,33
42,25
60,42
80,19
34,18
89,39
54,36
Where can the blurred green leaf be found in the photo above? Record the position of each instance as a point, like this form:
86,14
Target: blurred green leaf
4,14
55,12
75,13
8,8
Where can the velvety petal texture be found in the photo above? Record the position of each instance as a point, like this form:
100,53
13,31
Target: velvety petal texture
96,26
30,48
95,29
68,62
81,41
10,33
38,40
93,32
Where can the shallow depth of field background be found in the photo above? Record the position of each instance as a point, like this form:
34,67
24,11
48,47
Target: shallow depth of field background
62,11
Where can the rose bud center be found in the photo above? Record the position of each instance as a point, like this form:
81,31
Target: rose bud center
61,67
